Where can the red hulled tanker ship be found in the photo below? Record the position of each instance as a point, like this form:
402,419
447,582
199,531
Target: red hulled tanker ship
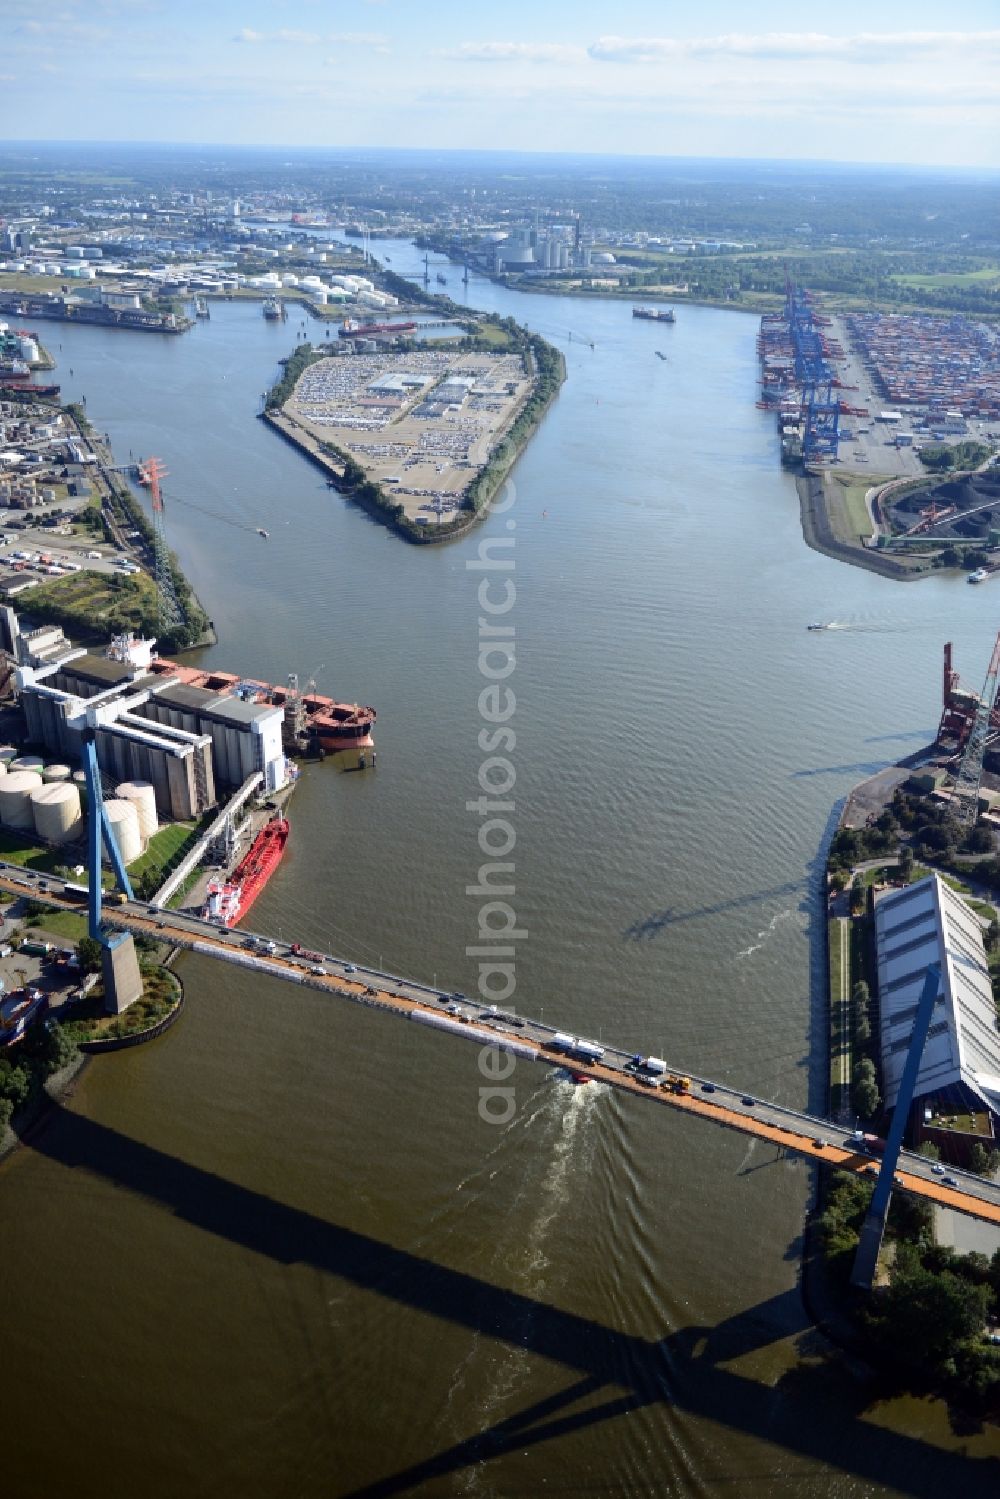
351,329
228,900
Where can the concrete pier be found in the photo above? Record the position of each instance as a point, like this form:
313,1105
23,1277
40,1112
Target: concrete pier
122,979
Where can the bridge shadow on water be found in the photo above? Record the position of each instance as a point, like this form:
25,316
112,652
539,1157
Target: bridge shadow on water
647,928
810,1413
859,767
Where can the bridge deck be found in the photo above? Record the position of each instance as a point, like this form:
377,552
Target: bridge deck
717,1103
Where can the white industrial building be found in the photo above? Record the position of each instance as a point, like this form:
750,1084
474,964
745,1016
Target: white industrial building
922,924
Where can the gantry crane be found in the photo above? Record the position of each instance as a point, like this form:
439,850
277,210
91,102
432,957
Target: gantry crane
965,796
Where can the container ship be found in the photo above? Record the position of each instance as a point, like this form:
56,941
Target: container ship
655,314
228,900
351,329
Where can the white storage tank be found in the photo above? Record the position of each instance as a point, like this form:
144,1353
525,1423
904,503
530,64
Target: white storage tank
124,820
143,794
15,799
79,779
56,773
27,762
7,753
56,810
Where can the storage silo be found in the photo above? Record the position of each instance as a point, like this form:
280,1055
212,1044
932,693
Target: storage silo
143,795
56,773
56,810
79,779
124,820
15,799
28,762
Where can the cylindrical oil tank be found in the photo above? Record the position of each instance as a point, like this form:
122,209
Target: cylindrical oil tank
56,773
28,762
15,799
56,810
7,753
143,795
80,782
124,820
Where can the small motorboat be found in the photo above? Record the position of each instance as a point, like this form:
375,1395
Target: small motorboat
262,532
979,576
817,626
580,1077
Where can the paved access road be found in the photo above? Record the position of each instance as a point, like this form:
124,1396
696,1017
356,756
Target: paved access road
718,1103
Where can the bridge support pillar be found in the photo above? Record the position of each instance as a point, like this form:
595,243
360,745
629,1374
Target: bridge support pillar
122,979
870,1240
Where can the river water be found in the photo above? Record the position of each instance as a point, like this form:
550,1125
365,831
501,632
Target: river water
279,1252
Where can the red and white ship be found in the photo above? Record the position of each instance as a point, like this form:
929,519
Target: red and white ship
327,724
228,900
352,329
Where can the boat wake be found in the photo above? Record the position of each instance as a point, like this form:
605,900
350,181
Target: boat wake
488,1378
767,932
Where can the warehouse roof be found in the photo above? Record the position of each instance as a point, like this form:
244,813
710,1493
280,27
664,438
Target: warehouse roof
923,924
236,710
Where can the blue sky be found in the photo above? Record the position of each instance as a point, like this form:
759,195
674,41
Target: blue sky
857,82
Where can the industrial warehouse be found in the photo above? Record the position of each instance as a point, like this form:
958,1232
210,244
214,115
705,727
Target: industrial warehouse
174,743
923,924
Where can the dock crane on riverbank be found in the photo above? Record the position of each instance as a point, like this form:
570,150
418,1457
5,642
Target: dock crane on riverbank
965,797
168,605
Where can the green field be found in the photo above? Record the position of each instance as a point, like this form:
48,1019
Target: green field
93,605
165,849
66,924
25,851
987,277
854,503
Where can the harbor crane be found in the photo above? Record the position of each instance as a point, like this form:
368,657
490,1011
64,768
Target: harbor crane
965,796
169,615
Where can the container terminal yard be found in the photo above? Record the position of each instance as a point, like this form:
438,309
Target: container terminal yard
869,389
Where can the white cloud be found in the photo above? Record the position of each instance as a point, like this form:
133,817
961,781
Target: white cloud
302,38
513,52
371,39
864,46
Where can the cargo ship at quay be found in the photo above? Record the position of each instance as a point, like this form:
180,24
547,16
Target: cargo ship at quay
351,329
312,724
227,900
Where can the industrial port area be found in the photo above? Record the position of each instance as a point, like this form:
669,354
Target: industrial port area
811,966
874,389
